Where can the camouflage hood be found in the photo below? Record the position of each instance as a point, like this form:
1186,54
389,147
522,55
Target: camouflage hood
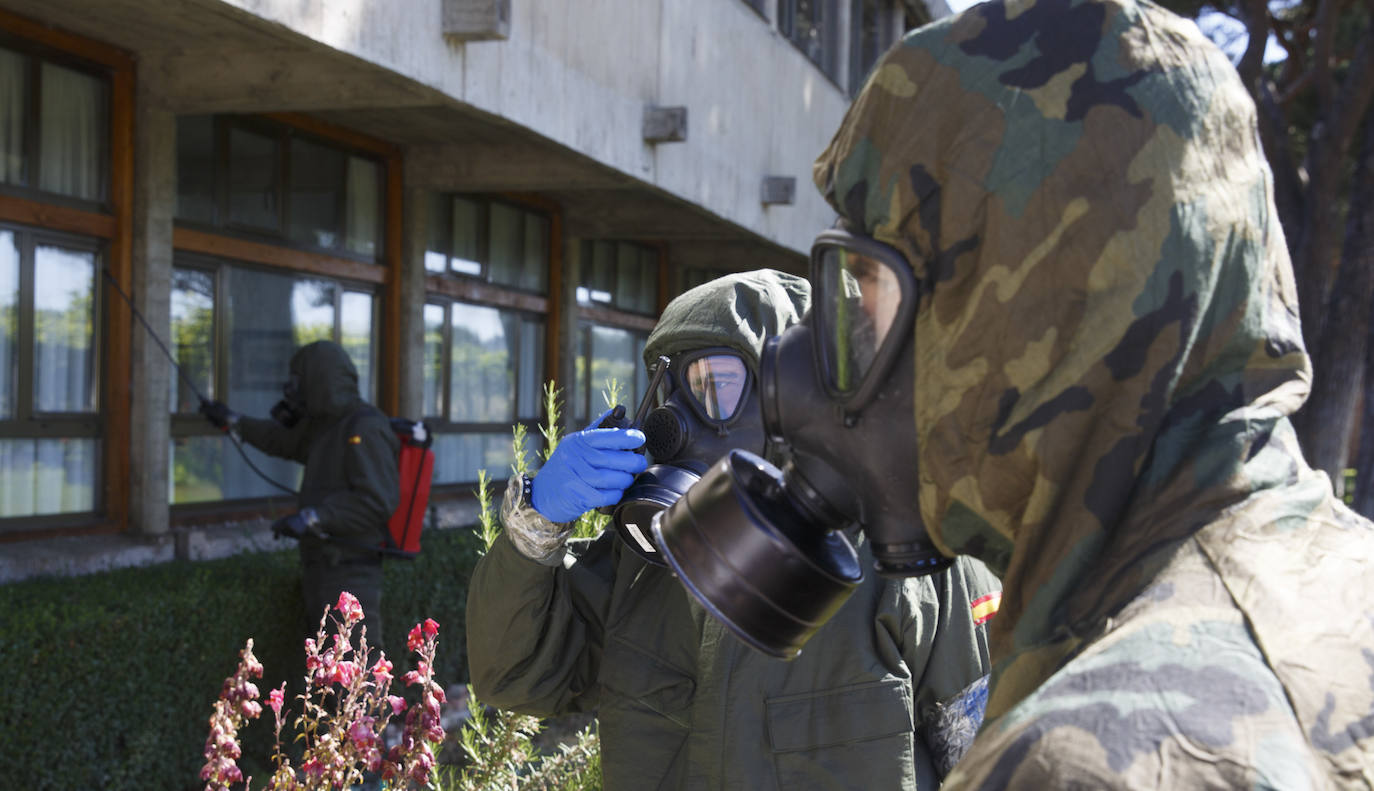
738,311
1109,344
329,380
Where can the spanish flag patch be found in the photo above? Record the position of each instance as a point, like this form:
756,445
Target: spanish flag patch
356,439
984,607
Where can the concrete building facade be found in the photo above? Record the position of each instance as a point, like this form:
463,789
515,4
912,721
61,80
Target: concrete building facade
474,197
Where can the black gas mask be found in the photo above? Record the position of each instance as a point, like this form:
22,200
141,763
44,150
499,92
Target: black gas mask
762,547
707,405
291,408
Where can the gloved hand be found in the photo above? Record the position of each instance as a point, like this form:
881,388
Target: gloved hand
219,414
588,469
297,524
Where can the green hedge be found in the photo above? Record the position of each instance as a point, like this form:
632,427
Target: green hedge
110,677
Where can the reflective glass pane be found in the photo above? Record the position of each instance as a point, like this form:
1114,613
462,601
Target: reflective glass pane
253,179
529,380
260,320
193,336
438,235
364,207
64,318
613,365
506,248
312,311
534,271
466,240
14,111
73,133
196,168
578,400
355,335
48,476
598,272
717,383
433,405
458,457
9,323
481,372
316,194
208,468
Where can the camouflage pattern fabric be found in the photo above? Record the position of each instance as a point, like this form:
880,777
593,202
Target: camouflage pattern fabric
1106,357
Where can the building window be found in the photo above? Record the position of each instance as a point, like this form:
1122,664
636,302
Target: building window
50,425
607,356
483,372
811,25
54,126
489,240
268,180
619,275
871,28
234,330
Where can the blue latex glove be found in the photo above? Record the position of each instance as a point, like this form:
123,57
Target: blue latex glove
587,470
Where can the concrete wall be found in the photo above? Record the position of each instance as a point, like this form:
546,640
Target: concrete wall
580,72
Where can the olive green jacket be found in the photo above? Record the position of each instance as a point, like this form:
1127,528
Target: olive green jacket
683,704
1107,351
349,451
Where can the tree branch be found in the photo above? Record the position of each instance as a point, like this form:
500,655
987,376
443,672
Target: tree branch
1356,93
1255,15
1328,11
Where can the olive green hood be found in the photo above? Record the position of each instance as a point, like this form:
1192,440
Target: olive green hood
739,311
1109,343
329,380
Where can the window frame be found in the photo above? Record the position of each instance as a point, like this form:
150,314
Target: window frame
185,425
283,132
442,424
440,211
588,251
36,53
30,423
828,24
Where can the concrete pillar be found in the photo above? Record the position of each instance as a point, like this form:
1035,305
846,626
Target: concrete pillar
155,194
411,367
567,329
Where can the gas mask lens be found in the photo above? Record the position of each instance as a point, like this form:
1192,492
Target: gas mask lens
857,302
717,382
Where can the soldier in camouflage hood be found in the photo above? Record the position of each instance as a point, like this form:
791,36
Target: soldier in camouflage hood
885,695
1107,349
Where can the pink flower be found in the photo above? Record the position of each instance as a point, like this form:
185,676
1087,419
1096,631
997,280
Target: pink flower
344,673
251,709
414,640
431,627
276,697
398,703
362,735
312,766
382,670
349,607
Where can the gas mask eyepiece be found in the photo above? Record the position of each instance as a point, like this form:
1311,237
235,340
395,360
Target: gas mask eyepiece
291,408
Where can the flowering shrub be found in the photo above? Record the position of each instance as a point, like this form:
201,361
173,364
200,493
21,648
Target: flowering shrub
346,706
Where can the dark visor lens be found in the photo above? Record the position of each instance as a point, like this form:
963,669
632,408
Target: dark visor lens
717,382
857,299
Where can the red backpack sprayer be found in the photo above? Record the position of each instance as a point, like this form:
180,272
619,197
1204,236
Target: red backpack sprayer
415,462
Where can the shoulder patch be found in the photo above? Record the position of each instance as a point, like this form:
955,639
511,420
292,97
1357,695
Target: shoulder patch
356,439
984,607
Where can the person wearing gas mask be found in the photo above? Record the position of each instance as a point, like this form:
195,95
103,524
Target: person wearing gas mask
1087,306
349,487
885,696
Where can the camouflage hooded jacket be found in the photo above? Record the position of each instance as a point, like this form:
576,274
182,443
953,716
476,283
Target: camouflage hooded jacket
1107,351
681,703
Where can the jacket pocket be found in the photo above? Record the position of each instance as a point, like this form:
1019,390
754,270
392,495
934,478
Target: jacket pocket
859,736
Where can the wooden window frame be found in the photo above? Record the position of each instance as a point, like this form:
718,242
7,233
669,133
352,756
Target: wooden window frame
113,224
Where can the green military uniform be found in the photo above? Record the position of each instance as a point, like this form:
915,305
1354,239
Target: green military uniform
350,480
1106,356
681,703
